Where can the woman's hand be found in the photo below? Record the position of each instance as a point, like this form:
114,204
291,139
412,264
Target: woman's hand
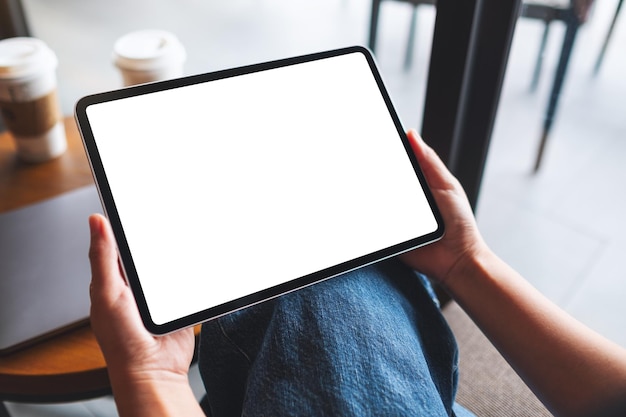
148,374
462,239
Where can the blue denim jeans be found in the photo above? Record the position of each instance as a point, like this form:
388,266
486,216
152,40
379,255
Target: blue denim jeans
371,342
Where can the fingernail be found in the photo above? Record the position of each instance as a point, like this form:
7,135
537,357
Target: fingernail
93,225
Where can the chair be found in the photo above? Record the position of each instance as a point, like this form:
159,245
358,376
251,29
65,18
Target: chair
488,386
411,39
596,68
548,12
570,12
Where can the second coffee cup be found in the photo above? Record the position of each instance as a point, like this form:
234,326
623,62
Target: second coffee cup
148,55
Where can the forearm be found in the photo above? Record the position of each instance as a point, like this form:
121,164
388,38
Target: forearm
154,397
570,367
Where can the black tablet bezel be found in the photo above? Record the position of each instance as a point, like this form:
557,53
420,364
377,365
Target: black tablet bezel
125,254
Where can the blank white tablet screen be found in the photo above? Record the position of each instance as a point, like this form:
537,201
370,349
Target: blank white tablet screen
229,187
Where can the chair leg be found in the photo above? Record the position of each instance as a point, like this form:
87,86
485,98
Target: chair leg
410,44
540,55
371,43
566,51
596,68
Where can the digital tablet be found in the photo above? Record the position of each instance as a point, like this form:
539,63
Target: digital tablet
230,188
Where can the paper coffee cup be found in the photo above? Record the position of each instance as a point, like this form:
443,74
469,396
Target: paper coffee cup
28,98
149,55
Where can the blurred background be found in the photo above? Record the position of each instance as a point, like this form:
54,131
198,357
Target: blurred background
563,228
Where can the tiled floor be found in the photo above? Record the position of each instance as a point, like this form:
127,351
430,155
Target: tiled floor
564,229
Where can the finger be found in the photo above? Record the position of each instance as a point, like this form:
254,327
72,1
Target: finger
105,274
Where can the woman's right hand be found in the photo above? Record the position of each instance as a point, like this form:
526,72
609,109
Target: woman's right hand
462,240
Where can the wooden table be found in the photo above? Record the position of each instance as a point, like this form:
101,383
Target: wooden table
69,366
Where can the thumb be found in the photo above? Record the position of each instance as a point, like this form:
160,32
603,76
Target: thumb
106,279
437,174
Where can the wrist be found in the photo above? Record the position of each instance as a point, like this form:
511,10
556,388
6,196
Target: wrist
470,264
153,394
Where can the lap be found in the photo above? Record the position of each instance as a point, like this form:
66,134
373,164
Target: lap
370,342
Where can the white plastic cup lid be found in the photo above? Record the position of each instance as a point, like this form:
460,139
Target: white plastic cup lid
146,50
23,57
